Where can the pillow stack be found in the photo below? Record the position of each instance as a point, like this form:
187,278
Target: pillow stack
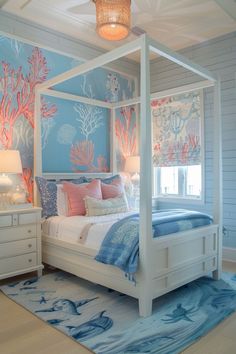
82,196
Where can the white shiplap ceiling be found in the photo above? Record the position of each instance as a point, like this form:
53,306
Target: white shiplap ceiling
175,23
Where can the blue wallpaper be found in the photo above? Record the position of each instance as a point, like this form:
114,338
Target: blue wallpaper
68,129
75,137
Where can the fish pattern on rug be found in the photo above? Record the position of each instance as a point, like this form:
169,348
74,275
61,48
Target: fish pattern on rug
108,322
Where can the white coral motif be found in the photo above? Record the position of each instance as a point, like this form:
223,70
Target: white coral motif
113,86
66,134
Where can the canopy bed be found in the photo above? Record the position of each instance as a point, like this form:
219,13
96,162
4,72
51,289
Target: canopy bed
165,263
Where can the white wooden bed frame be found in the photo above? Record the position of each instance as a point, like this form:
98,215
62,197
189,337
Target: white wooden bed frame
164,263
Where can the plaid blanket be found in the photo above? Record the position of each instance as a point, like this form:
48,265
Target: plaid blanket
120,246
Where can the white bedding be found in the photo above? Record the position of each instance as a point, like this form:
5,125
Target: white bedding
87,230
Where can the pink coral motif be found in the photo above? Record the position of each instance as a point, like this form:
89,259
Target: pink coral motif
171,153
157,147
184,153
82,154
102,164
47,110
194,141
28,181
18,94
160,102
126,135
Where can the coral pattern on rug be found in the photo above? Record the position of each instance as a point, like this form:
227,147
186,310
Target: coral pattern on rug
108,322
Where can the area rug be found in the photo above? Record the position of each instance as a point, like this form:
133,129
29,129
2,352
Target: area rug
108,322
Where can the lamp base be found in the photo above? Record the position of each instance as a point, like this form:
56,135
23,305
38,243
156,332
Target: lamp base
5,201
5,183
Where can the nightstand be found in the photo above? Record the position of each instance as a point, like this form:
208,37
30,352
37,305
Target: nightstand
20,242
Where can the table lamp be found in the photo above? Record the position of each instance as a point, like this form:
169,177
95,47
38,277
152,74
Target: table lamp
132,166
10,163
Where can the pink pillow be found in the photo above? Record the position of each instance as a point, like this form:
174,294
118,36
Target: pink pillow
113,189
77,192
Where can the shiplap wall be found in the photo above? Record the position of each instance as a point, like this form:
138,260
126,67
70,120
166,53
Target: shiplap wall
219,56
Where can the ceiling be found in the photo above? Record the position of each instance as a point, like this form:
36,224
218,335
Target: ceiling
175,23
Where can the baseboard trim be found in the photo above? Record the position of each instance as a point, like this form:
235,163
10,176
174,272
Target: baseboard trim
229,254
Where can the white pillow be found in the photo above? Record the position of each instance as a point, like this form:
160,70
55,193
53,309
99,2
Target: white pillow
62,201
96,207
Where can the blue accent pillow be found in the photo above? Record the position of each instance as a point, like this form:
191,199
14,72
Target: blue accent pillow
109,180
48,194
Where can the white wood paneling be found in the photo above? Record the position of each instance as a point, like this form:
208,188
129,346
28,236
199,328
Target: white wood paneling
218,55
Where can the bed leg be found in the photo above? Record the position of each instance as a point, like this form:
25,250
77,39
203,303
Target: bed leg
39,273
145,306
216,274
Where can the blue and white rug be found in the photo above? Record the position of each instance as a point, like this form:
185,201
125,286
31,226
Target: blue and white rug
108,322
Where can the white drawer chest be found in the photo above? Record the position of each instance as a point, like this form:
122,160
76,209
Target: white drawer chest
20,242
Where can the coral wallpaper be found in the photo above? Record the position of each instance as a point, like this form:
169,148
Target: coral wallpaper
126,134
75,136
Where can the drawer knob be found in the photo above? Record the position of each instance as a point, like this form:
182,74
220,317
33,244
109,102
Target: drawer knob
30,260
29,231
29,245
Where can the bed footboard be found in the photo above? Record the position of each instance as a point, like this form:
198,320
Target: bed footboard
176,260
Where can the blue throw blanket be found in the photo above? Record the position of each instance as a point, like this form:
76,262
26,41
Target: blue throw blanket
120,246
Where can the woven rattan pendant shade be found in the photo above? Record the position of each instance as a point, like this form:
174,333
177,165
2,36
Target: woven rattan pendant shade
113,18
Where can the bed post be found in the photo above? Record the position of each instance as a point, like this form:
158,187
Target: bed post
145,227
217,175
113,164
37,144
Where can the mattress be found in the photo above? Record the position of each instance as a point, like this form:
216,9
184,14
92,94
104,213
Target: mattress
87,230
90,231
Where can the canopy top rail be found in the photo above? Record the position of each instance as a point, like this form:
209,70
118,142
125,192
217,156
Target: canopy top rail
131,101
124,50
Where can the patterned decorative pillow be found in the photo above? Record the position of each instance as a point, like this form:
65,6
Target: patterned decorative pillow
96,207
109,180
49,195
77,193
112,189
62,201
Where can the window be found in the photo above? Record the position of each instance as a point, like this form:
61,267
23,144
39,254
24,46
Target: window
178,182
178,146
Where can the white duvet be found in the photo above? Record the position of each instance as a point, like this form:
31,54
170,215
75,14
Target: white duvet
87,230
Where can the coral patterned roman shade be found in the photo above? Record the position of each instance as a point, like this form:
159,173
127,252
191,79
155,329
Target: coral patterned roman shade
177,130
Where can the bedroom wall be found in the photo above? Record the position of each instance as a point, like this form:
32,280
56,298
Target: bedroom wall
82,147
219,56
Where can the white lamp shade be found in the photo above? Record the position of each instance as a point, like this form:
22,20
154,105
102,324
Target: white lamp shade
10,161
132,164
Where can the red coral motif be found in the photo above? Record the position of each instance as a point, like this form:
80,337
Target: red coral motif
28,180
160,102
194,141
171,153
102,164
82,153
126,135
184,153
18,94
47,110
